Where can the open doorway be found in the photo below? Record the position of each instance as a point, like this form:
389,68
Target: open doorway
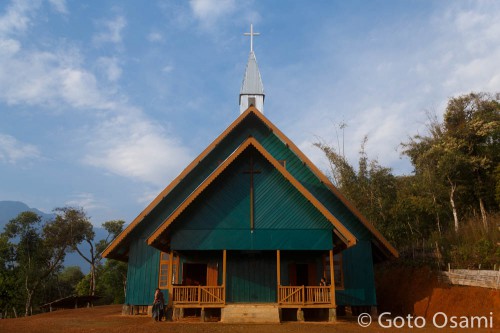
194,274
302,274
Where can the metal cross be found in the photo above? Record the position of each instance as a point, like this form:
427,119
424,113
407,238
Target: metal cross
251,34
252,171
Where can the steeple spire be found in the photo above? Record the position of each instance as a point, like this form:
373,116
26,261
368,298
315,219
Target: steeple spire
252,89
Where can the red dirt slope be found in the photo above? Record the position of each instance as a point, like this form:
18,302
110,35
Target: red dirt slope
417,291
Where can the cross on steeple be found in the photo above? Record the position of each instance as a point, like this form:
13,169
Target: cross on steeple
251,34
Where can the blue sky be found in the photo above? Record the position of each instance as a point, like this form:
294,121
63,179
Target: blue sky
103,103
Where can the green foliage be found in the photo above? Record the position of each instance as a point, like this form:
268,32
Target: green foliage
473,246
68,280
456,179
31,256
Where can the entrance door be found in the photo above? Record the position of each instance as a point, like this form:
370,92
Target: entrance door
194,274
302,274
251,277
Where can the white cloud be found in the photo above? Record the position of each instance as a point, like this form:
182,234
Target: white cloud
13,151
9,47
31,76
209,11
16,18
110,66
130,145
47,78
155,37
167,68
59,5
84,200
112,31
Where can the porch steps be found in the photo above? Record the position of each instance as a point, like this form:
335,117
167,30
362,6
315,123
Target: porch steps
250,313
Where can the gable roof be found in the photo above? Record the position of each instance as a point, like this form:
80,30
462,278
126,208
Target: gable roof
380,240
344,234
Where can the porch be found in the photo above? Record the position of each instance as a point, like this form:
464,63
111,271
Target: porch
221,297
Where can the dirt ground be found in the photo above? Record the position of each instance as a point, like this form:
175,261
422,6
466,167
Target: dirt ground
109,319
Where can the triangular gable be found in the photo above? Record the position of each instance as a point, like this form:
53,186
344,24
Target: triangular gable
344,234
380,240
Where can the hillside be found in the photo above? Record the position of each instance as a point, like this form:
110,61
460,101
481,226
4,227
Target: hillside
417,291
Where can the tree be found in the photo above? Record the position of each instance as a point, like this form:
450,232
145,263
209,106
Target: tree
9,283
68,279
472,125
371,188
461,153
82,230
39,252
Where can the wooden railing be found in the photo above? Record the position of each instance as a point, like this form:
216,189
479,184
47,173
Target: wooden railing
198,295
304,295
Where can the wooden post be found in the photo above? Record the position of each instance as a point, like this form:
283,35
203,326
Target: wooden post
332,316
332,281
278,272
169,276
224,256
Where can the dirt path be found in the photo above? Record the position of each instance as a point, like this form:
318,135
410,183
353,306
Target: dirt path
108,319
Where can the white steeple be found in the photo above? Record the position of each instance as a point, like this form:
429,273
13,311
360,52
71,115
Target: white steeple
252,89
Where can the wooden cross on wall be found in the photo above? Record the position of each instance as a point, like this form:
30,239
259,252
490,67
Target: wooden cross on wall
251,171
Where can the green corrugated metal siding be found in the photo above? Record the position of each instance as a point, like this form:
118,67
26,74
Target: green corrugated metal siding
220,217
142,274
251,277
359,280
307,178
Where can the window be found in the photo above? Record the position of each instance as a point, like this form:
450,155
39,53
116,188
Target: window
251,101
337,270
283,163
163,271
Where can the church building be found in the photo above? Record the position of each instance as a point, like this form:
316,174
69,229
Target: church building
252,230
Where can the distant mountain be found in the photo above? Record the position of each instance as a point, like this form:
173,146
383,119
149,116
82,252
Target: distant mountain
10,209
